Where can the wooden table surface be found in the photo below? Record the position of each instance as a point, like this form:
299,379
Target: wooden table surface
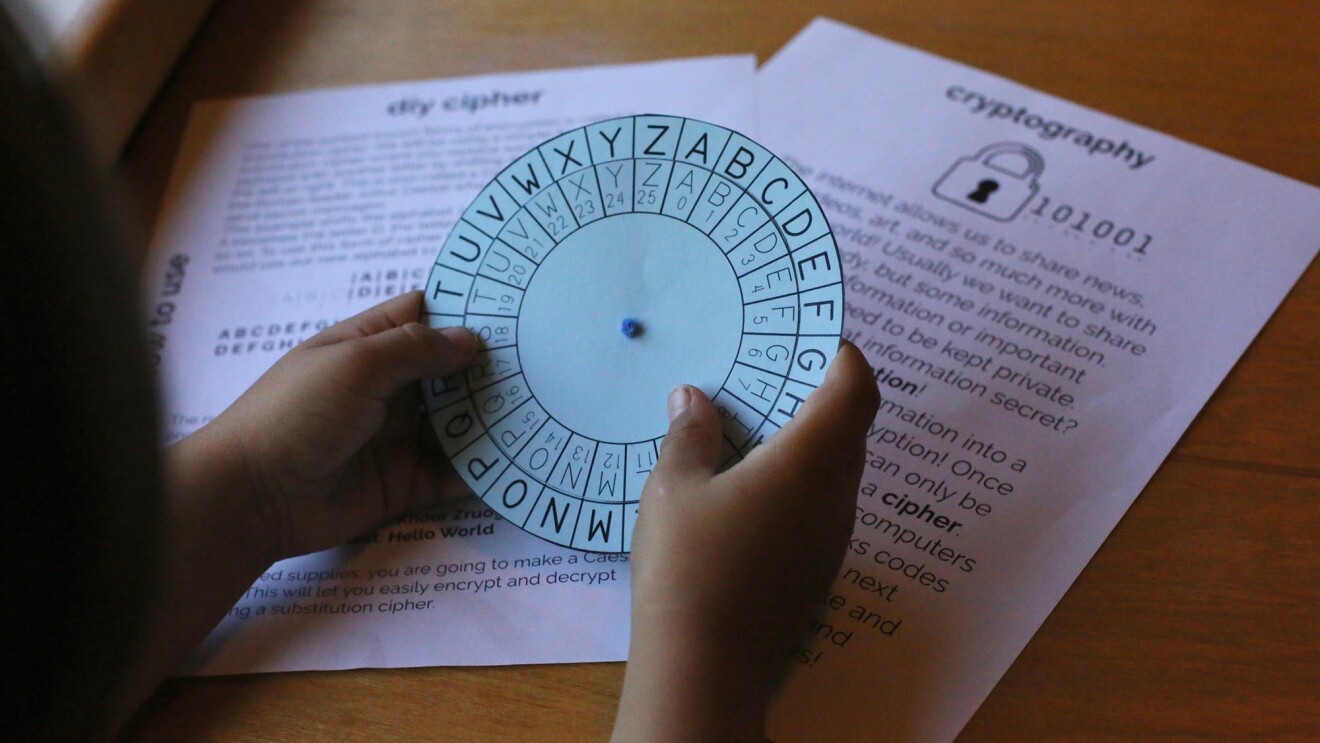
1199,619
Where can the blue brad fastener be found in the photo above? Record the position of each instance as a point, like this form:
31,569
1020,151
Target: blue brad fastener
631,328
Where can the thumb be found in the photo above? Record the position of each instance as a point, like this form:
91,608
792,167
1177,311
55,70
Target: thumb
384,362
692,446
825,442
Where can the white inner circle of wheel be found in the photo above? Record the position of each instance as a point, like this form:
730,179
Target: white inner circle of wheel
661,272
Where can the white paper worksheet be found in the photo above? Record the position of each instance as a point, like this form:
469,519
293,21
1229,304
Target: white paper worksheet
1048,296
288,213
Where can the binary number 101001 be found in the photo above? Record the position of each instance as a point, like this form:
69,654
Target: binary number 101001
1084,223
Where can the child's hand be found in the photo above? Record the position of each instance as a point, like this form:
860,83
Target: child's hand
728,567
332,441
329,443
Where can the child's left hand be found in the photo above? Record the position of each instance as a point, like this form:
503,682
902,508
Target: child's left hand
329,443
332,440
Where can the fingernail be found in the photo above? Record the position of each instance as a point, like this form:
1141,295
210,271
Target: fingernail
835,367
463,340
679,400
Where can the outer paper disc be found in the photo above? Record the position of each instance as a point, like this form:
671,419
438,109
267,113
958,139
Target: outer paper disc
712,248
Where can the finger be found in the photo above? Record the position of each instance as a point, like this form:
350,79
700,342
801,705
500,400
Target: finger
402,410
692,445
441,481
436,480
848,399
380,364
390,314
827,437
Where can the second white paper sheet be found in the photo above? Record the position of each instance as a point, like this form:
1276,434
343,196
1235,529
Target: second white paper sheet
288,213
1048,296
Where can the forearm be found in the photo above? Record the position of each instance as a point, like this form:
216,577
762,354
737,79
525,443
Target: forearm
215,545
685,687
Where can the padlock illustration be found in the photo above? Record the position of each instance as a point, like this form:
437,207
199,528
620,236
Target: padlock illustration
996,182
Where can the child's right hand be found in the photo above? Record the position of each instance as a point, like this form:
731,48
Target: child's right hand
729,567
